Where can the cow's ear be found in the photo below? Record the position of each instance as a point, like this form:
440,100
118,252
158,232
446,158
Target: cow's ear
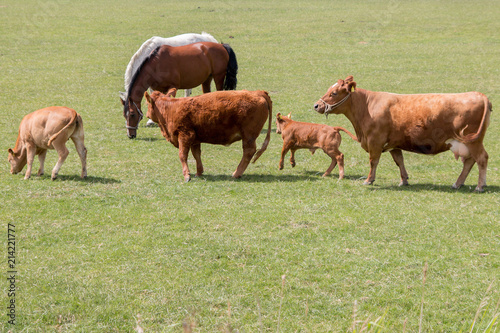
278,116
148,98
350,78
290,115
10,151
351,86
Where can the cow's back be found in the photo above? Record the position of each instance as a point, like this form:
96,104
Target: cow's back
41,125
423,123
225,116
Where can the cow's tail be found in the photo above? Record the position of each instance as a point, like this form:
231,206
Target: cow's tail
268,136
469,138
73,119
337,128
232,69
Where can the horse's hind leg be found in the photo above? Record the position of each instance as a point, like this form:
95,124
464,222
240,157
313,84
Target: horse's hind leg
206,85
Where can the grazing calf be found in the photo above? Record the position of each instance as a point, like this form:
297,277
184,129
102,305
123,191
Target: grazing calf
420,123
44,129
299,135
220,118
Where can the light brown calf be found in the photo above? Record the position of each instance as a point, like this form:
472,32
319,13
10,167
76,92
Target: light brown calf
44,129
299,135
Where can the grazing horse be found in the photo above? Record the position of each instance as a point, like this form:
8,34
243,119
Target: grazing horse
183,67
151,44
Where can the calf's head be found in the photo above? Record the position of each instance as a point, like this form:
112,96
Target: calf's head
336,95
281,122
17,161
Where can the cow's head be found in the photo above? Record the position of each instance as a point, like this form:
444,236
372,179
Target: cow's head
281,122
150,99
336,95
17,161
132,113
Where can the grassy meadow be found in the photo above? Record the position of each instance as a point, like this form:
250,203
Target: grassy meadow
133,248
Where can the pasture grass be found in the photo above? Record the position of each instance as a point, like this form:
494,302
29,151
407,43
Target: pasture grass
133,247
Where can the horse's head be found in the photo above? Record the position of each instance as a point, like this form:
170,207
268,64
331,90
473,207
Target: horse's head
133,115
335,96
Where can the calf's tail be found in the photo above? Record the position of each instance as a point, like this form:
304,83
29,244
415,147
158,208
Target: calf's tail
232,69
482,127
268,136
73,119
337,128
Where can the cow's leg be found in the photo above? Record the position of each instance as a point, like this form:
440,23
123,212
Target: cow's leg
41,158
205,86
196,151
82,151
63,152
481,157
30,152
468,164
249,149
374,159
397,155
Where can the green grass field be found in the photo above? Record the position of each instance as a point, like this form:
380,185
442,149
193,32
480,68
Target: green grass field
275,251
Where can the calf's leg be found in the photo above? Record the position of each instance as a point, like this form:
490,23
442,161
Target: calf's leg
60,146
397,156
30,152
196,151
292,157
284,151
183,156
41,158
249,149
78,140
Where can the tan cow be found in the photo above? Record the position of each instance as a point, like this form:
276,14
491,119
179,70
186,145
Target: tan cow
420,123
221,118
298,135
44,129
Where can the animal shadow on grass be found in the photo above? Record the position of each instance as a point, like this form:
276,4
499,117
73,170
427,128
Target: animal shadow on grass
88,179
149,139
426,187
258,178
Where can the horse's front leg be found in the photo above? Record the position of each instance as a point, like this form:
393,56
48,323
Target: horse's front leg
205,86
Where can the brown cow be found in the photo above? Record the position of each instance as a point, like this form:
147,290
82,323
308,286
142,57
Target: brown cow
297,135
420,123
44,129
221,118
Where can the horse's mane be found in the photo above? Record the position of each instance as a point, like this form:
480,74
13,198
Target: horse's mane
149,46
152,54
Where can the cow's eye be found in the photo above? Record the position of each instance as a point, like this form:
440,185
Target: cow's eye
334,94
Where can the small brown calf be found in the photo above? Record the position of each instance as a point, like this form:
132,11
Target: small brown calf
44,129
299,135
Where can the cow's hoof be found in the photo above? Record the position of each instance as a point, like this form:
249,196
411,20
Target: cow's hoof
405,183
456,186
187,179
366,182
479,189
281,167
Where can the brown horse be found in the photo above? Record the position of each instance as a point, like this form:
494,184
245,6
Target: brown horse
170,68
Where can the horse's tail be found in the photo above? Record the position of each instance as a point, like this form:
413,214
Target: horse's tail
232,69
268,136
74,118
